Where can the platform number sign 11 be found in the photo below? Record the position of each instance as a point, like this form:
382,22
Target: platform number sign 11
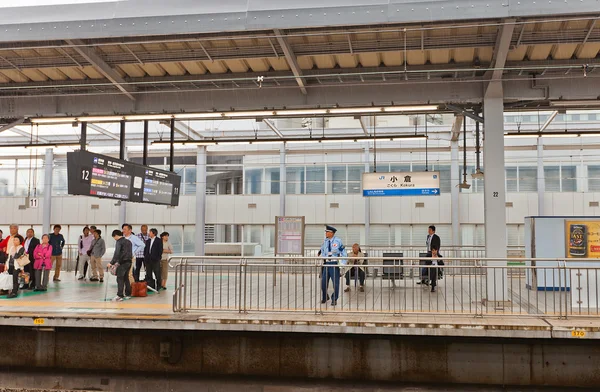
33,202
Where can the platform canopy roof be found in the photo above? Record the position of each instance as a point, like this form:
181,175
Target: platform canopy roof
122,57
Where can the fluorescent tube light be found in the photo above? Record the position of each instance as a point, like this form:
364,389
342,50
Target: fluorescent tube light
558,135
182,116
520,135
249,114
355,110
100,118
423,108
142,117
53,120
301,112
45,146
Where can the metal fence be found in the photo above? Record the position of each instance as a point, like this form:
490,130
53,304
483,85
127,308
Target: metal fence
483,288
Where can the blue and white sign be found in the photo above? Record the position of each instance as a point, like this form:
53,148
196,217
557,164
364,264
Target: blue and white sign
401,184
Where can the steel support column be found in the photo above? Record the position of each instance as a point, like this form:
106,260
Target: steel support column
282,180
541,179
494,195
123,204
47,207
200,200
455,191
367,200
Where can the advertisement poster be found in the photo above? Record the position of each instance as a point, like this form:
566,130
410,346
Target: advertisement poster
583,239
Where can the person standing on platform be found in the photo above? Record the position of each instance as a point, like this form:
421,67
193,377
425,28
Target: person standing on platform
124,256
30,244
43,263
85,244
332,247
433,240
140,253
8,243
87,264
97,250
136,245
164,260
15,252
355,270
152,255
58,242
435,263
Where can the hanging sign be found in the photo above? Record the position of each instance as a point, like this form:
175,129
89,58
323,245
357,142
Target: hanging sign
401,184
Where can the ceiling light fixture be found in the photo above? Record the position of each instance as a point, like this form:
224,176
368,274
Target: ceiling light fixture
46,145
238,114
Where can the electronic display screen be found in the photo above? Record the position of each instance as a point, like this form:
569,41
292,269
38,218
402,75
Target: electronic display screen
102,176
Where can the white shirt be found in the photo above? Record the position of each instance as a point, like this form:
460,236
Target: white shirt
428,243
27,241
151,243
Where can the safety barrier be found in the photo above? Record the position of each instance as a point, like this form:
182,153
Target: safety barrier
480,287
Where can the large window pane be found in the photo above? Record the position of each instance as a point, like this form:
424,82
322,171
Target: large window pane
527,179
569,179
272,179
189,240
445,179
175,237
315,179
594,178
295,180
190,180
253,181
355,178
552,178
511,179
336,179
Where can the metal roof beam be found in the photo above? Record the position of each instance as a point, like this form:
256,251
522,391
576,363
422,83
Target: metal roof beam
94,58
464,112
271,125
579,49
291,59
28,135
549,121
12,124
501,48
103,131
456,128
184,130
363,125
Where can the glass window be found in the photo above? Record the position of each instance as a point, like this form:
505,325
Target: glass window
314,235
315,179
379,235
527,179
511,179
272,180
445,178
336,176
190,180
175,237
294,180
59,177
355,178
568,179
401,235
189,240
594,178
394,168
253,181
552,178
7,182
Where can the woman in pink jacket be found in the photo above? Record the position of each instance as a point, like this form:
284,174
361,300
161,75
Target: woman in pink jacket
43,263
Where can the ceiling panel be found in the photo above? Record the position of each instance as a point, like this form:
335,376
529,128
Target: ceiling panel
258,65
590,50
305,62
539,52
217,67
464,55
417,57
194,67
74,73
392,59
346,60
517,54
324,61
133,70
563,51
92,72
237,65
174,69
439,56
369,59
15,76
35,75
54,73
154,69
279,64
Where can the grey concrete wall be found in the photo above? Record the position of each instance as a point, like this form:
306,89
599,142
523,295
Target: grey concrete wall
274,355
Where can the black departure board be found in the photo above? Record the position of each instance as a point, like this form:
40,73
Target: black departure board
102,176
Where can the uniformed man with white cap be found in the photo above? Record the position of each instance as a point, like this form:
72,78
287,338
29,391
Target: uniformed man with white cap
331,249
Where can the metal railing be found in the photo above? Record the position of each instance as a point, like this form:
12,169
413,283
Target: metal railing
478,287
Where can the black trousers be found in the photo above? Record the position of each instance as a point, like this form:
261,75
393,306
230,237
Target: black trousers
15,275
153,267
139,261
123,283
351,274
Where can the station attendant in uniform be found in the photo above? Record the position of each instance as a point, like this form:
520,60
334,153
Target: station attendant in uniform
332,247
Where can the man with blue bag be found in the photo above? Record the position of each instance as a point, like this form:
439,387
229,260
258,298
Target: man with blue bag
332,249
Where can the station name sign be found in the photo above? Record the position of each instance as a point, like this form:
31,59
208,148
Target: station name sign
401,184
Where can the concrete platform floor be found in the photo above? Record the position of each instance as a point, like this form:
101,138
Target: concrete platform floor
73,303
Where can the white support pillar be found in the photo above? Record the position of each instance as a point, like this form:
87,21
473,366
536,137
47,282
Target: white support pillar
232,228
541,177
455,192
200,200
494,195
47,207
123,203
367,200
282,180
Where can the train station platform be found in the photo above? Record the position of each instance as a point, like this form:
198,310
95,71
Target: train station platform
82,304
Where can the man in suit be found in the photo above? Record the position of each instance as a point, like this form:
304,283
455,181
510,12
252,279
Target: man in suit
30,243
152,255
433,241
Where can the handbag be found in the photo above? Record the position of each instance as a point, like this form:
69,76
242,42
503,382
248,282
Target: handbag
23,260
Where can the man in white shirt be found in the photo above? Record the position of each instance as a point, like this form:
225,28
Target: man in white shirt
30,243
85,244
